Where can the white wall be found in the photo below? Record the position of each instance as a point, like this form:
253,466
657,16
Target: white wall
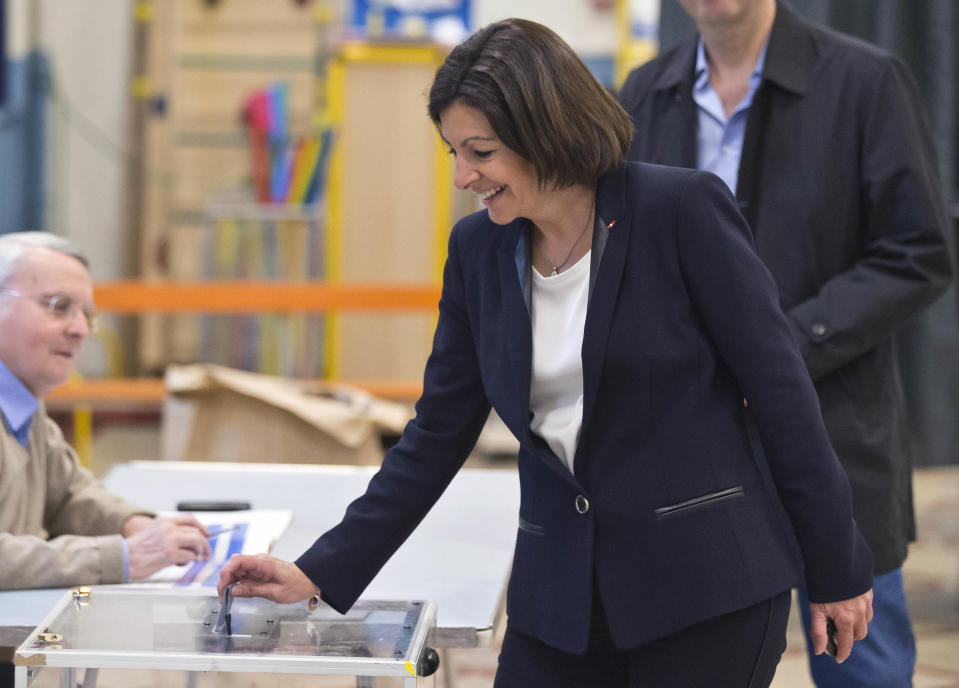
87,48
18,28
587,30
87,45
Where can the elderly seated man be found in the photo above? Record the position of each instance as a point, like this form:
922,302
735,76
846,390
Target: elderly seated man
58,525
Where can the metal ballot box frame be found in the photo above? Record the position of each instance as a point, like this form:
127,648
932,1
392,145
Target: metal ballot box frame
173,630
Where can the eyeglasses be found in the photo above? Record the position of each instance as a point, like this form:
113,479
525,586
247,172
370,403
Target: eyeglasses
61,307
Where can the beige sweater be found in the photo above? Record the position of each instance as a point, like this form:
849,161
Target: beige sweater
58,526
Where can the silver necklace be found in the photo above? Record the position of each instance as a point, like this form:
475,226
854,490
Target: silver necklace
589,215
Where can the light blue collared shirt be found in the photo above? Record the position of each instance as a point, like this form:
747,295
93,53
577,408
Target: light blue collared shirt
18,407
17,404
720,139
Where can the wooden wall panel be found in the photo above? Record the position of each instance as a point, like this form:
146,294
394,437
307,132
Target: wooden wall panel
197,153
204,61
388,147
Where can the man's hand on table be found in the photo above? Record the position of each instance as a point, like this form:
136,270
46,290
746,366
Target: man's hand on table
155,543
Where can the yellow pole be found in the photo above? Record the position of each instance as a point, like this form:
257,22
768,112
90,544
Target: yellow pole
83,413
83,433
335,99
82,429
631,51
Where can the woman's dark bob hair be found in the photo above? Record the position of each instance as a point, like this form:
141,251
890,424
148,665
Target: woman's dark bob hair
539,98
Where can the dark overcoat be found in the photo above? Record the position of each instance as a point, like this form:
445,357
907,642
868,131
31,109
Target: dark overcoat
668,510
838,182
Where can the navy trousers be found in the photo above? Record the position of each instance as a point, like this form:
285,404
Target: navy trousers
737,650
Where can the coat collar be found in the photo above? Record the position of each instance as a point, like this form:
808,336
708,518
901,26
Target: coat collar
791,53
611,204
611,198
611,212
518,329
789,57
680,68
610,246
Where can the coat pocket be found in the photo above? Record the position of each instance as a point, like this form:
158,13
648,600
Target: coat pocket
697,503
531,528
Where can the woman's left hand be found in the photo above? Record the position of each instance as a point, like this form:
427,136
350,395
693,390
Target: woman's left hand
261,575
851,617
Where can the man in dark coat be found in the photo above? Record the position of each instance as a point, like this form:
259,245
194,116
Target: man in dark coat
821,139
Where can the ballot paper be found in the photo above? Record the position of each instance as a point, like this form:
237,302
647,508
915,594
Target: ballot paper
243,532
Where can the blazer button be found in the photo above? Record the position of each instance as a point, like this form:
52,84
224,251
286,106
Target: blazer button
819,330
582,504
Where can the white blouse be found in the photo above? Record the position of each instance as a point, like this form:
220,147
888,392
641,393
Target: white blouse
556,393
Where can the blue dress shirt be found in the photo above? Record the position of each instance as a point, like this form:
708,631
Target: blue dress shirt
720,139
17,405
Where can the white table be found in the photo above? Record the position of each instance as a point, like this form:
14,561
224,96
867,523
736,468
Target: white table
459,557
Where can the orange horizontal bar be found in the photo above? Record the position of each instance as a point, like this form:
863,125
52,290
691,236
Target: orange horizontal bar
152,390
134,296
398,390
141,389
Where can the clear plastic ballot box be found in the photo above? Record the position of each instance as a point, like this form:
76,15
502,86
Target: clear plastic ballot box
94,632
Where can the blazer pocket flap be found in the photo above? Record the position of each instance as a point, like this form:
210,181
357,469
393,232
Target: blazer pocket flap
531,528
700,502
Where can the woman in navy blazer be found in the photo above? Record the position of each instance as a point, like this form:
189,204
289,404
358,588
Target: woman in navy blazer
616,316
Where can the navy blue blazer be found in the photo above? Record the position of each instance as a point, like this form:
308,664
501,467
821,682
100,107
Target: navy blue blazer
668,510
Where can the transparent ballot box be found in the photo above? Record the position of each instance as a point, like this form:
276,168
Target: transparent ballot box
93,634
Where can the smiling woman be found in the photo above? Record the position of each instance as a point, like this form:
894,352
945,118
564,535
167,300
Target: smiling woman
650,547
539,99
528,144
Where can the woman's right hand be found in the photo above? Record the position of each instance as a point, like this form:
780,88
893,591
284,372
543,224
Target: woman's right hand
261,575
